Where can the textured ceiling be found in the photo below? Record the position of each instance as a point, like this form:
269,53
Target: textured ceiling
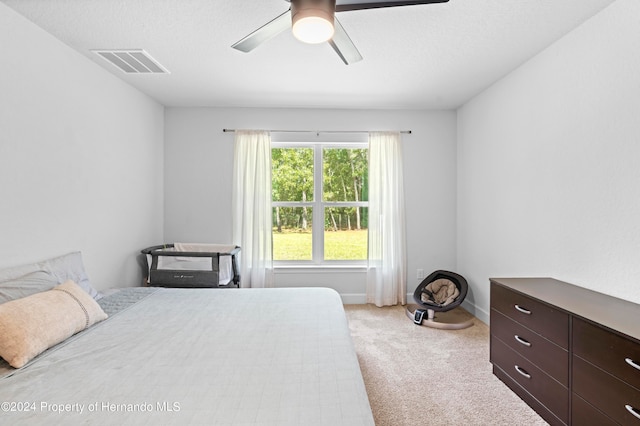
415,57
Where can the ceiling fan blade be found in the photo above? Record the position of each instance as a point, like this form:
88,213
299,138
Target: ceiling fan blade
342,44
264,33
345,5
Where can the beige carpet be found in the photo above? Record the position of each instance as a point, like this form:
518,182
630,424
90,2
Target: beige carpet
416,375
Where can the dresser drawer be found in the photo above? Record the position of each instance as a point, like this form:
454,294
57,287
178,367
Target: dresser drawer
585,414
546,355
607,393
533,314
532,402
611,352
541,386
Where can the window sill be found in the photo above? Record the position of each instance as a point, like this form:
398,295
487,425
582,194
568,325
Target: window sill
319,269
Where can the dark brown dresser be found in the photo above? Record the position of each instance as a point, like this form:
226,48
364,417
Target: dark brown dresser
572,354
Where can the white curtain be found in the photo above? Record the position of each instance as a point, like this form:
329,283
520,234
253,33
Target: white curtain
251,206
387,270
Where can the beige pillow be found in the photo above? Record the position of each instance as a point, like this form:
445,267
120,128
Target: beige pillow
32,324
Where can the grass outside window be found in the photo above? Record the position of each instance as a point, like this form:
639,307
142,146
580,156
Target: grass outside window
338,245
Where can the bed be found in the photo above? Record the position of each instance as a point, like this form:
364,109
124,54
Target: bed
196,356
190,265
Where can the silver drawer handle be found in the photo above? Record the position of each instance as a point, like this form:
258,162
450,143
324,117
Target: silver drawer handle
632,411
523,310
631,363
521,340
524,373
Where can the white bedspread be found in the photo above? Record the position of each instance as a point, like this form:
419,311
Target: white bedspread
200,356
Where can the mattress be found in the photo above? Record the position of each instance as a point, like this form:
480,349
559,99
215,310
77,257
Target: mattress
198,356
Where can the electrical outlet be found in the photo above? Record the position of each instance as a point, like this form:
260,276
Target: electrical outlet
420,274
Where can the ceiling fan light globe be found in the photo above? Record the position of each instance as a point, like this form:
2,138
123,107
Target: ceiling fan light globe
312,20
313,29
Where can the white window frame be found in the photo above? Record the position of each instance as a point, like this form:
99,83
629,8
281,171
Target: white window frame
318,205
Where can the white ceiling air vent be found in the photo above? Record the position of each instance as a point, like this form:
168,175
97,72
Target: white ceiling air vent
132,61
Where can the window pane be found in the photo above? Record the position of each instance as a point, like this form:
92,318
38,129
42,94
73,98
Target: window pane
345,233
292,228
292,174
345,174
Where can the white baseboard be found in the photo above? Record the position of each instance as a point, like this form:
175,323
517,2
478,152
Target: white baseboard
477,312
353,299
361,299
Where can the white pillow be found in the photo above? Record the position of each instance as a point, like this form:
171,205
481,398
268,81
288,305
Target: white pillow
65,267
70,267
26,285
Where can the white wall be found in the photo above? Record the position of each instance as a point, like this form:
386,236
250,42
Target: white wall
80,158
199,159
549,165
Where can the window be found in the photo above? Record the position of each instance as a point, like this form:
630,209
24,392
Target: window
319,198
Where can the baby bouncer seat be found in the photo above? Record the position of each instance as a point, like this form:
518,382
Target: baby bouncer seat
440,292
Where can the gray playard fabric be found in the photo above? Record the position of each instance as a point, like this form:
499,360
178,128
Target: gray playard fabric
198,356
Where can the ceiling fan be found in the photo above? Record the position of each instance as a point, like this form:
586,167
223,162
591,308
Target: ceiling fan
313,21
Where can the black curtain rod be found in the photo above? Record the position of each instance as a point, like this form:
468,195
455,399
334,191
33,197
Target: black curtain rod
408,132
